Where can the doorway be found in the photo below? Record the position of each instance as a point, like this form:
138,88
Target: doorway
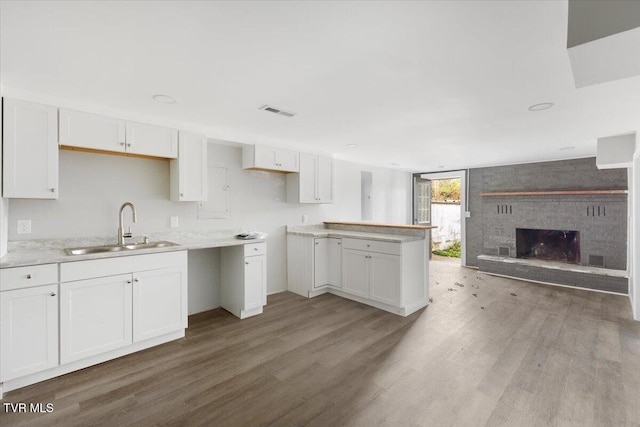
439,199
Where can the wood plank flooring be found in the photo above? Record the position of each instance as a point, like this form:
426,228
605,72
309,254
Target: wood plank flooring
487,351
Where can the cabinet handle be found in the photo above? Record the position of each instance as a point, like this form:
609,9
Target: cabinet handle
339,243
28,276
368,246
53,294
255,249
246,262
136,280
128,281
181,194
123,144
53,190
317,243
129,144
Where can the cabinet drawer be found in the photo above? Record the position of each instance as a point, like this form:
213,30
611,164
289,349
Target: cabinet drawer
372,246
26,277
255,249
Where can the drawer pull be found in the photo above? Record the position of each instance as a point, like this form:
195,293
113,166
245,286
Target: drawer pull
255,249
29,276
53,294
368,245
128,281
136,280
246,262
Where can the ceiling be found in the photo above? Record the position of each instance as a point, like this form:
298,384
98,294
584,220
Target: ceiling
425,86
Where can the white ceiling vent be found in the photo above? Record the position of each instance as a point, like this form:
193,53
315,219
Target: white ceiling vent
277,111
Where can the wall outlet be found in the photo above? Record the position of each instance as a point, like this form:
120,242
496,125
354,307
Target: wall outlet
24,226
174,221
305,219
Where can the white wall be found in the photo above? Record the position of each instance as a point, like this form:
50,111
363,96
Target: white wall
93,186
446,217
4,206
634,243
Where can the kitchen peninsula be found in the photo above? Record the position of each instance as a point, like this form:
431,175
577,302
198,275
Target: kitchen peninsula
382,265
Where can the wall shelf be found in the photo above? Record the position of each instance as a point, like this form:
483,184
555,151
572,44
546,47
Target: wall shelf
553,193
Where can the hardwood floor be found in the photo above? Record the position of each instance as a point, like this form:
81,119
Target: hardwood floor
487,351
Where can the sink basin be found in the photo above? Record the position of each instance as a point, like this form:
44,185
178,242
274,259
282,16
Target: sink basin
117,248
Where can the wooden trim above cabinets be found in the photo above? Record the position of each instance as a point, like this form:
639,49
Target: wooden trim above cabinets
112,153
553,193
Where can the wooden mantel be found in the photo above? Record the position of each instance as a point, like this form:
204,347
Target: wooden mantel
554,193
378,224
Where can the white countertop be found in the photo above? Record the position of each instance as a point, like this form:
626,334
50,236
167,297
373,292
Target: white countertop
320,231
48,251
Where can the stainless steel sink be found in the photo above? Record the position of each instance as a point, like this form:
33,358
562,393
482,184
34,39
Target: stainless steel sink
117,248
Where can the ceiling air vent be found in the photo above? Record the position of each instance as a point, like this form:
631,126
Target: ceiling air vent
277,111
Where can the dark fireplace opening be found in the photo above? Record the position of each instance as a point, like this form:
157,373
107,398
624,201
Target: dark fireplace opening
553,245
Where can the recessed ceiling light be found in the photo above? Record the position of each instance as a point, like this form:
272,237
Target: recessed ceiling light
440,167
571,147
541,107
351,145
165,99
394,164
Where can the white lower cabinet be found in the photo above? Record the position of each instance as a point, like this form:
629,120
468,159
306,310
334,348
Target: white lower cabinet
135,298
355,272
385,278
29,331
391,275
95,316
243,289
155,308
320,262
334,262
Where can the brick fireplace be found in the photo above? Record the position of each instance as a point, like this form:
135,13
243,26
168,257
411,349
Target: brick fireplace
559,222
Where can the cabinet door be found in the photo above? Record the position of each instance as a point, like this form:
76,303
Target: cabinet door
78,129
307,177
30,150
385,278
266,157
288,160
334,264
255,281
159,302
151,140
355,272
324,179
189,170
29,331
95,316
320,262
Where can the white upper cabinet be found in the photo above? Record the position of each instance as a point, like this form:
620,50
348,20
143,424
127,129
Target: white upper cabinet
314,182
30,150
189,170
96,132
151,140
270,158
78,129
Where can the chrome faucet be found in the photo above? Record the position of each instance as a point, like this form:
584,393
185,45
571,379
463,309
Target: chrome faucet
121,234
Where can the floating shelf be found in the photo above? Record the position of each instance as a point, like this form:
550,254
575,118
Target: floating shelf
554,193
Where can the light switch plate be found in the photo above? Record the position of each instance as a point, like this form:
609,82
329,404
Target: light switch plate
24,226
174,221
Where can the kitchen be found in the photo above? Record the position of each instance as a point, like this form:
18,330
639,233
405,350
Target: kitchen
214,85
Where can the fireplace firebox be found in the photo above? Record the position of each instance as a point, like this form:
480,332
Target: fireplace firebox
551,245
